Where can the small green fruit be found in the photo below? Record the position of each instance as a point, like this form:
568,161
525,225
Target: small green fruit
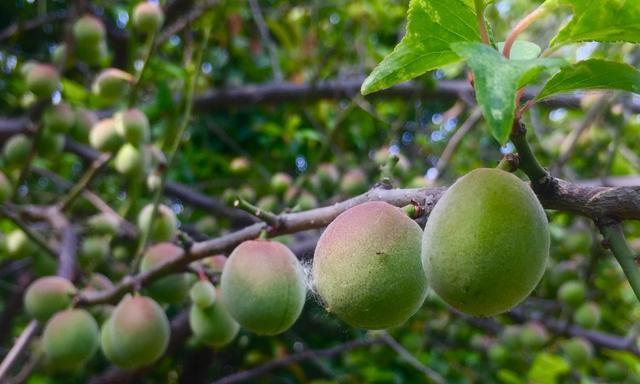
207,225
48,295
50,145
511,337
165,224
614,371
268,203
572,293
132,125
59,118
367,266
280,182
203,294
84,121
147,17
18,245
94,251
112,84
587,315
263,286
213,325
486,244
137,334
17,149
88,32
129,161
239,165
103,136
70,339
533,336
103,224
42,80
498,354
579,351
353,182
6,189
171,289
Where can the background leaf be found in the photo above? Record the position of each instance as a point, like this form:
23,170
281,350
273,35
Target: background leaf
593,74
600,20
497,81
432,25
522,50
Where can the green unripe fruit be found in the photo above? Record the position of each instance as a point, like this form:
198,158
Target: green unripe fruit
587,316
94,251
511,337
112,84
328,175
147,17
165,224
207,225
132,125
42,80
59,54
84,121
18,245
263,286
306,201
129,161
213,325
103,136
268,203
48,295
70,339
367,266
533,336
579,351
103,224
486,244
572,293
171,289
95,55
280,182
50,145
203,294
59,118
562,272
214,263
353,182
88,32
239,165
6,189
614,371
153,181
498,354
17,149
137,334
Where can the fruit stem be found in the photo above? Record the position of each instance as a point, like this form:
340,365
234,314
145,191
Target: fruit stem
528,162
266,216
149,45
521,27
31,234
509,163
84,180
614,239
481,22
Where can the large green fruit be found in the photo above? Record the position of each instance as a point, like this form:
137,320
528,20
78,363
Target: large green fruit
164,226
132,125
486,244
572,293
48,295
263,286
17,149
112,84
103,136
129,161
147,17
367,266
42,80
59,118
213,325
137,334
70,339
171,289
6,189
88,32
579,351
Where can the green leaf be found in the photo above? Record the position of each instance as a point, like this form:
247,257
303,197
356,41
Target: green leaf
497,80
432,25
522,50
593,74
547,368
600,20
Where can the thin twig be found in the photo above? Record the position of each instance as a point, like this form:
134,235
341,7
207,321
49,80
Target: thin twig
410,359
614,239
84,181
256,12
31,234
21,343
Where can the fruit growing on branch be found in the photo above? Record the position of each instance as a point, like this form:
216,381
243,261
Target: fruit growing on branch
212,324
263,286
367,266
164,225
103,136
48,295
111,84
486,243
70,339
129,160
587,315
147,17
42,80
19,245
88,32
59,118
171,289
132,125
572,293
136,334
16,150
578,350
202,293
103,224
6,189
